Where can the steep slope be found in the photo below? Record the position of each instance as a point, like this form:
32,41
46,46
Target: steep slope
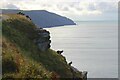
44,18
22,58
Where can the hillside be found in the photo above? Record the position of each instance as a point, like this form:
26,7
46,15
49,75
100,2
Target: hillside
43,18
22,57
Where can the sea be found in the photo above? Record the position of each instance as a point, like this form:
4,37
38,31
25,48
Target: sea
92,46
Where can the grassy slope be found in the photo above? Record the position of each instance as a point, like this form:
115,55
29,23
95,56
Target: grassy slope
22,58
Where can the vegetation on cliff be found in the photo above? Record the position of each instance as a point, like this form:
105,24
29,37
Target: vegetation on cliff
22,58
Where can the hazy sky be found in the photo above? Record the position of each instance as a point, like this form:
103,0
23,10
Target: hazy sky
74,9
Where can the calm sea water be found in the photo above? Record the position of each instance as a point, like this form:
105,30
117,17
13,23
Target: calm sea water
91,46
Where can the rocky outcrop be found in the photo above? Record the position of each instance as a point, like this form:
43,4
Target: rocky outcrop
43,40
83,74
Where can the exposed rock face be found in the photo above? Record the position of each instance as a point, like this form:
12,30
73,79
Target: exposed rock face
83,74
43,39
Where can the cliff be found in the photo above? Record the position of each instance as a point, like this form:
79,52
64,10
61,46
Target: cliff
43,18
26,52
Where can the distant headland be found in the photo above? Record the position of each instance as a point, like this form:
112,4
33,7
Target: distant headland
43,18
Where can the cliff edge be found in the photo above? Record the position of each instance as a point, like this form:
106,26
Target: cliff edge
26,52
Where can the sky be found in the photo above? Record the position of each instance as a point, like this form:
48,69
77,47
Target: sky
75,9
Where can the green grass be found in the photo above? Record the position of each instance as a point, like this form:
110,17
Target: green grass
22,58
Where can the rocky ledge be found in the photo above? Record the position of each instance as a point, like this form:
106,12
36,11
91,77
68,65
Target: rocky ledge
43,40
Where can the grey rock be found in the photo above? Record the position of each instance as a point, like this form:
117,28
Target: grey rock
43,40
